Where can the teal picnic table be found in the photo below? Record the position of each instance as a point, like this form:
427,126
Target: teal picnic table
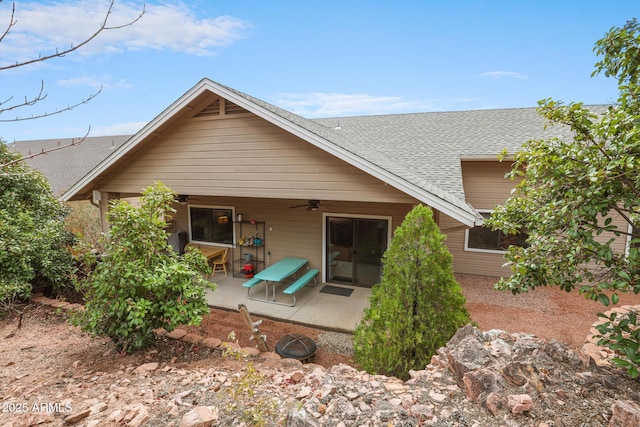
276,273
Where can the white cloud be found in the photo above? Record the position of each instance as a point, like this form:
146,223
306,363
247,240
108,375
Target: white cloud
496,75
41,28
319,104
103,82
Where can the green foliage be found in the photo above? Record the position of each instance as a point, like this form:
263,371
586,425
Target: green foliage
621,333
141,284
255,410
575,199
84,222
32,235
579,197
417,306
621,56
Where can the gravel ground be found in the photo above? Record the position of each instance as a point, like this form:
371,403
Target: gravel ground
336,342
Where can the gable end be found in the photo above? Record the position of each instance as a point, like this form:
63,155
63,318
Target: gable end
221,107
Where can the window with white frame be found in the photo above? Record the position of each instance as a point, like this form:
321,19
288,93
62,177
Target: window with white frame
484,239
211,224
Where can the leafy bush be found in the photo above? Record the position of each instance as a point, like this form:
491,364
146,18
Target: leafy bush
418,305
32,235
141,284
578,196
84,222
621,333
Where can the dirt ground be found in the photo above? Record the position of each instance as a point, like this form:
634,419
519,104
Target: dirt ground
549,313
46,337
48,359
546,312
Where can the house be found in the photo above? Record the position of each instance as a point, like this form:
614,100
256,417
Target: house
329,190
65,166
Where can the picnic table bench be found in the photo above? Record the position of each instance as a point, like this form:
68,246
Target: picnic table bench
301,283
278,273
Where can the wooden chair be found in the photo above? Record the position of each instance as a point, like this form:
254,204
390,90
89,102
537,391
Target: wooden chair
220,263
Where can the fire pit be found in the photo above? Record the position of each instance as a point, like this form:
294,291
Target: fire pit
296,346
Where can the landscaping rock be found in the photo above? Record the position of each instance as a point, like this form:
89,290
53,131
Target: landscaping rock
200,416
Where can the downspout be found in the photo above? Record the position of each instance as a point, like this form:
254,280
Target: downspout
97,204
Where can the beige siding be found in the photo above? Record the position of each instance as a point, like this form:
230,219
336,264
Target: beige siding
485,187
290,232
245,156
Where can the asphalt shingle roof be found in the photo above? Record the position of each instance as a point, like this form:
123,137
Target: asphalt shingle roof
431,145
65,167
426,149
419,153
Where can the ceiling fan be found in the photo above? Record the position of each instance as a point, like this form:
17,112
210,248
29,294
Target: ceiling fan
311,205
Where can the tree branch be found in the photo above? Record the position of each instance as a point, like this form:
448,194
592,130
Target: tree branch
58,53
40,97
28,102
47,151
12,22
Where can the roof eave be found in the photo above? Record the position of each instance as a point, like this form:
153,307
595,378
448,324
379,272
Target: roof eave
465,216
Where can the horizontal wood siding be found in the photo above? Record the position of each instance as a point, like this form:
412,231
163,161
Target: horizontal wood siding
290,232
245,156
485,187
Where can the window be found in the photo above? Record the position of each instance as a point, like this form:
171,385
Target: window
632,238
209,224
484,239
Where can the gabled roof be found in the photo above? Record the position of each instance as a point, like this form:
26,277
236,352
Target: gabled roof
66,166
419,154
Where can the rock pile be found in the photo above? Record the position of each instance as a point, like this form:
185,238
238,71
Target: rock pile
479,379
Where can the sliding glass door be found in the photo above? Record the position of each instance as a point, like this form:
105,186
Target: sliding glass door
355,246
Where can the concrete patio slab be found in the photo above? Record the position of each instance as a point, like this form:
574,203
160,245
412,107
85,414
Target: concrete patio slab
313,308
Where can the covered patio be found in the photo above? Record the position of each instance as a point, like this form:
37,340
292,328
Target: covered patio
312,308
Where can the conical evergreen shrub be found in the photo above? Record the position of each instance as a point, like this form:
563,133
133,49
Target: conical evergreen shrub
417,306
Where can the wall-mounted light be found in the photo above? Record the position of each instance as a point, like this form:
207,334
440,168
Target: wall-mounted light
183,199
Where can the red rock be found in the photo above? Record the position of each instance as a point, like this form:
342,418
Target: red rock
250,351
494,403
147,367
74,418
200,416
176,334
519,403
211,342
192,338
480,381
625,414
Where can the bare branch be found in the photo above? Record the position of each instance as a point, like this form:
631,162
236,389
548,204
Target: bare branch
47,151
59,53
40,97
27,102
5,105
12,22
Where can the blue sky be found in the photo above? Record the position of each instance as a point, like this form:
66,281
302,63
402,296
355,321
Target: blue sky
315,58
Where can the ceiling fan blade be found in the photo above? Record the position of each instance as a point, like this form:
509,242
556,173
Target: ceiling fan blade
311,205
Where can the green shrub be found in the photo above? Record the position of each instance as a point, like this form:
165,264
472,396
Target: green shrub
83,222
418,305
32,235
621,333
140,284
